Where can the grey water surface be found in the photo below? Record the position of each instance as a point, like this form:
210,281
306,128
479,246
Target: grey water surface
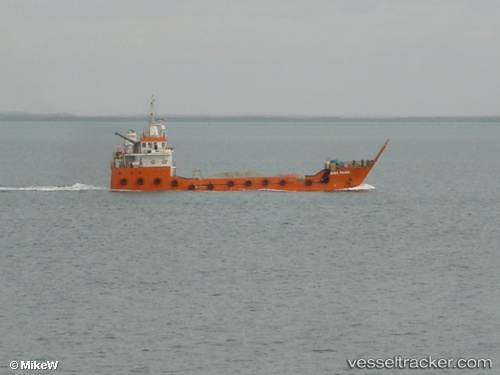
251,282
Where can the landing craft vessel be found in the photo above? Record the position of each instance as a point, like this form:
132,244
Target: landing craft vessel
147,165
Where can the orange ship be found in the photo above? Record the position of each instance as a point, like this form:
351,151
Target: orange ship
147,165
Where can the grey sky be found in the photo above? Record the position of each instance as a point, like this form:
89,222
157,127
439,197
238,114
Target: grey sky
265,57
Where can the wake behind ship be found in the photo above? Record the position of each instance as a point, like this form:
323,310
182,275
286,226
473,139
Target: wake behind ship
147,165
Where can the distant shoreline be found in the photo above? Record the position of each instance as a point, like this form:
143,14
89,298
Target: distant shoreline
34,117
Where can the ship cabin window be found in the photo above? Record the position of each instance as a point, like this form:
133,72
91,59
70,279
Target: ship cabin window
153,146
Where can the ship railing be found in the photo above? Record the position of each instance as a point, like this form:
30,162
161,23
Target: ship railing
350,164
357,163
158,151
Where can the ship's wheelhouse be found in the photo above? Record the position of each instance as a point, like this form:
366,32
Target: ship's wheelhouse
151,147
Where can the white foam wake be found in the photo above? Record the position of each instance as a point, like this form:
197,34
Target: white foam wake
361,187
75,187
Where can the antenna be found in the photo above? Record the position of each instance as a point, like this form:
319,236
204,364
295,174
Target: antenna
152,109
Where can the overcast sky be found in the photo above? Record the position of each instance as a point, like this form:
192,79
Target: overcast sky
256,57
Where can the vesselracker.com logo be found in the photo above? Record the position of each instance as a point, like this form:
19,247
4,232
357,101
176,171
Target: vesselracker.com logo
422,363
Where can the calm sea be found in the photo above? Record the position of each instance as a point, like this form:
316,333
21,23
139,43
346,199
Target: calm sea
251,282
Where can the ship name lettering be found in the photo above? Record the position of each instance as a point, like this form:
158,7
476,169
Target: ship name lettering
341,172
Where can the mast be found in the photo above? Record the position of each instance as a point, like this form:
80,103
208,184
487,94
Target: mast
152,109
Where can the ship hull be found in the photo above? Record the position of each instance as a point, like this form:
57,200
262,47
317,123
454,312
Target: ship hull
160,178
148,165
